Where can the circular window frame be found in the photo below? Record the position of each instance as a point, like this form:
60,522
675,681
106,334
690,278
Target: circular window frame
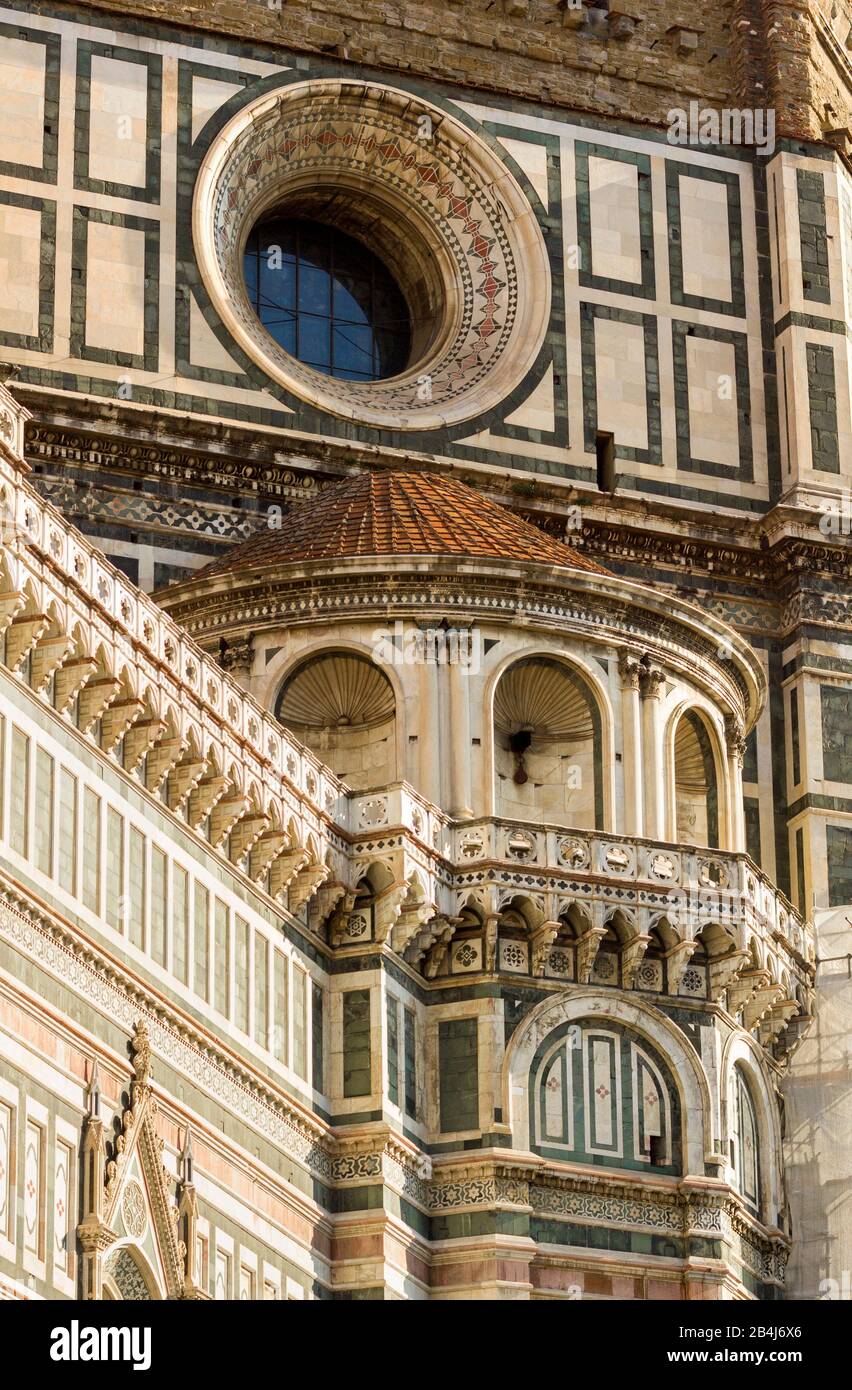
452,224
421,273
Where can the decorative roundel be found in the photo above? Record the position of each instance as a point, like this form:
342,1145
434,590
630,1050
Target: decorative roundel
133,1210
429,197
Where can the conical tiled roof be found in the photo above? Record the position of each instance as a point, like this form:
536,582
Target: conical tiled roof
395,512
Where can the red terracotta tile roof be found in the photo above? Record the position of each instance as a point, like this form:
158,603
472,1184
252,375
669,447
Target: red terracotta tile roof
397,512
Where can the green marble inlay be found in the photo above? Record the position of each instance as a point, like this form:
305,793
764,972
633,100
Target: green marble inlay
680,252
838,842
150,191
822,400
458,1063
42,341
356,1043
46,171
813,236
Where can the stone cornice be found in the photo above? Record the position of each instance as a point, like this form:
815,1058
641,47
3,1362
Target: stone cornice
756,551
600,608
677,1207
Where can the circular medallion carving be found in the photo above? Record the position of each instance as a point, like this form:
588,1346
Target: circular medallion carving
133,1210
437,204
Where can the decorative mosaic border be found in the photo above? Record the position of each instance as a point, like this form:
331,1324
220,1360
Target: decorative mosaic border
150,192
46,172
43,340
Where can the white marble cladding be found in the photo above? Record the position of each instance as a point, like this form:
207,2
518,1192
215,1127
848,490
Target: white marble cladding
51,573
60,571
609,872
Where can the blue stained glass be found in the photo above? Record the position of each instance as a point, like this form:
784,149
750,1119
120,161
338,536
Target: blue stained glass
327,300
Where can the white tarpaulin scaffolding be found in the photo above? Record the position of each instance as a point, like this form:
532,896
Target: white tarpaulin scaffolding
817,1093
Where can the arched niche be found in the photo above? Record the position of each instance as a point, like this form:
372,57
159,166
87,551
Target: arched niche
750,1108
548,745
696,783
342,705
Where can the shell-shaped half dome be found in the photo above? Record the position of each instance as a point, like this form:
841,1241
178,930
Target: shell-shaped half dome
398,512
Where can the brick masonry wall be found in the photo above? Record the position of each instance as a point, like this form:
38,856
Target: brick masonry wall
645,60
523,48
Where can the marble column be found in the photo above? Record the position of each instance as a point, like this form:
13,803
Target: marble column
630,822
653,759
428,727
735,745
458,682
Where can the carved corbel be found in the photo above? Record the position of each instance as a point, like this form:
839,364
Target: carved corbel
265,849
677,959
743,986
439,928
224,817
387,908
437,952
339,918
204,796
22,635
723,970
139,740
283,870
632,955
117,719
305,884
760,1004
10,604
48,656
70,679
95,696
414,914
324,903
163,758
794,1032
541,940
588,946
246,833
773,1024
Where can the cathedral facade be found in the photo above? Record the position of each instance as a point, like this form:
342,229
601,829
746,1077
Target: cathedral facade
425,657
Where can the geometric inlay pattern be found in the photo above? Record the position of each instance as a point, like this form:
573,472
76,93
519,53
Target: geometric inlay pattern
424,187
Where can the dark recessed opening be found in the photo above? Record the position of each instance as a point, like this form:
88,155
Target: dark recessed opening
658,1150
605,450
